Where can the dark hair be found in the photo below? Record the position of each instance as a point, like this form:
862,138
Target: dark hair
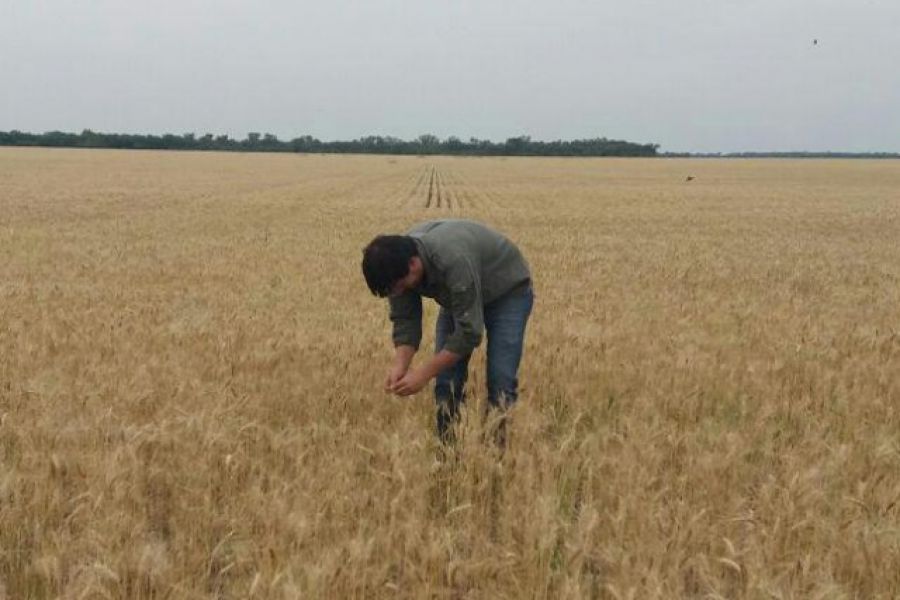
386,260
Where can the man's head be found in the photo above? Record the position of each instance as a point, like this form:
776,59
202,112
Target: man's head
391,265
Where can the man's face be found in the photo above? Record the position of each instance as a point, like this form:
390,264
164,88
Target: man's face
401,286
410,281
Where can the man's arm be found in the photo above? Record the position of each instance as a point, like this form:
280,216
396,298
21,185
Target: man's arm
403,356
466,308
440,361
406,317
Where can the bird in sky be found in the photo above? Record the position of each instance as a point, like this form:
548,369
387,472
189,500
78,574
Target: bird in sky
815,42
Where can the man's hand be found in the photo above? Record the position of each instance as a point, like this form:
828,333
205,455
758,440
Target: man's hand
395,374
403,356
412,382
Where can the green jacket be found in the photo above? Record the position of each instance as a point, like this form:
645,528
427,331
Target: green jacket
467,265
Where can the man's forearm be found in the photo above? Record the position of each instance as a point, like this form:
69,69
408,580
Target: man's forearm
439,362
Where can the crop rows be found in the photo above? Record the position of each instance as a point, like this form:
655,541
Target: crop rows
436,189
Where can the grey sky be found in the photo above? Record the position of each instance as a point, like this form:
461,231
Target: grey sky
698,75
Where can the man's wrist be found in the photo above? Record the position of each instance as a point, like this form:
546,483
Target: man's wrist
403,355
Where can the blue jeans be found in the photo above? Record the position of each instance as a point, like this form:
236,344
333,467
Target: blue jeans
504,322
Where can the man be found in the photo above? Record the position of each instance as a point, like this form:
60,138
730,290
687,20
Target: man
481,282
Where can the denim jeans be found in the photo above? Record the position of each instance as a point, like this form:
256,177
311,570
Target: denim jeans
504,322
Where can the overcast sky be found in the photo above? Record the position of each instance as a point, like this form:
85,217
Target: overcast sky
695,75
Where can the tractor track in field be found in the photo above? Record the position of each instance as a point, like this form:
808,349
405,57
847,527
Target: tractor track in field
443,193
434,189
430,188
414,185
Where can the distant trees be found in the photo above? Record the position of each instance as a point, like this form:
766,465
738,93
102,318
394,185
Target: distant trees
427,143
373,144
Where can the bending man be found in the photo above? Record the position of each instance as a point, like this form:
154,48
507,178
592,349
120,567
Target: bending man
481,282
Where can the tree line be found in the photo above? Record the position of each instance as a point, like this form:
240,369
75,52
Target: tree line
373,144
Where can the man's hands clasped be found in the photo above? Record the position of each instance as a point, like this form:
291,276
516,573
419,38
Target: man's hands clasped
412,382
395,374
403,381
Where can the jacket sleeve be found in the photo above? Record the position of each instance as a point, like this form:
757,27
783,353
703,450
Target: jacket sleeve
406,315
466,306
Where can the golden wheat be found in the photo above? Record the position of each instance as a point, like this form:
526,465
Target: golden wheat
190,369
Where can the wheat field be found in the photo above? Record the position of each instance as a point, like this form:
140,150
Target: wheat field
191,369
